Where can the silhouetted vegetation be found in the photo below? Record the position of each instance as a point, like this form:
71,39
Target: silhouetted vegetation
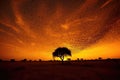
78,59
12,60
35,61
24,60
61,52
40,60
1,60
30,60
68,59
108,59
99,58
82,59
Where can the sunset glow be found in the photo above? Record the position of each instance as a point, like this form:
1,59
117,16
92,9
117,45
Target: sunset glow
33,29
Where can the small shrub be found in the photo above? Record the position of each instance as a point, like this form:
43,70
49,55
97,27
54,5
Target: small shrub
40,60
24,60
12,60
1,60
68,59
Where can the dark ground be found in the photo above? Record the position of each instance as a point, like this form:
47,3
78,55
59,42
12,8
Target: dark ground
74,70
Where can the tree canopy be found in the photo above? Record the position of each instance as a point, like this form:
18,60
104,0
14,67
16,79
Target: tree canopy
61,52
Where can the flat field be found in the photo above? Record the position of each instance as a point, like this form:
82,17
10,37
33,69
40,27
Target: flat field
53,70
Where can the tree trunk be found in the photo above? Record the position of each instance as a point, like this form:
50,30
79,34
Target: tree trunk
54,58
62,59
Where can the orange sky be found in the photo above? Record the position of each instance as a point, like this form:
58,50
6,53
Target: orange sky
33,29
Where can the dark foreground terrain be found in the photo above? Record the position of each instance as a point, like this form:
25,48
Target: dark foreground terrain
48,70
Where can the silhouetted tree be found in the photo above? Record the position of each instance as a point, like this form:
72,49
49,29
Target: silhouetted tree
61,52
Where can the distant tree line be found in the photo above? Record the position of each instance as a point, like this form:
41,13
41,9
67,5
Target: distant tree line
69,59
